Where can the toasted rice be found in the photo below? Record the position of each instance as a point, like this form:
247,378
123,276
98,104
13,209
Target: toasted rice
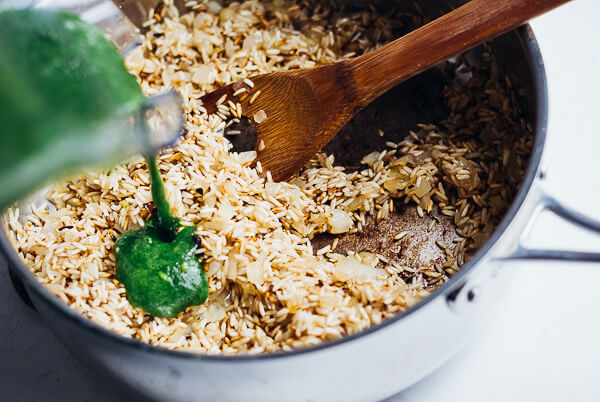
269,290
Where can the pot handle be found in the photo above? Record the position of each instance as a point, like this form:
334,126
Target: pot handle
549,203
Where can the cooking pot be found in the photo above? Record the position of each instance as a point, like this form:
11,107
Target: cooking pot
370,365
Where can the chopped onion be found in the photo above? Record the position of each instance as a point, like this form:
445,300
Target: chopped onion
272,189
260,116
214,7
179,333
370,159
227,14
339,222
247,157
424,187
254,272
230,48
252,40
302,228
369,258
213,268
215,311
329,301
394,185
204,74
350,268
231,268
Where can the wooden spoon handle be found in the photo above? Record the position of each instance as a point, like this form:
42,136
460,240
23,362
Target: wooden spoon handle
460,30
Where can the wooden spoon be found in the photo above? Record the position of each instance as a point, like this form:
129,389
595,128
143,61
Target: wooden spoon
297,112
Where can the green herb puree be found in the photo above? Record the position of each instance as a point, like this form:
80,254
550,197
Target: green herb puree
65,98
157,264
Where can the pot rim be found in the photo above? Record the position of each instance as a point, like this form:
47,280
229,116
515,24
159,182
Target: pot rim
540,87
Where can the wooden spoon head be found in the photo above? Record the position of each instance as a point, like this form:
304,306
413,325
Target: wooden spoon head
292,120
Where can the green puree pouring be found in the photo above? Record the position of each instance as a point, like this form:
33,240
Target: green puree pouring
157,264
66,97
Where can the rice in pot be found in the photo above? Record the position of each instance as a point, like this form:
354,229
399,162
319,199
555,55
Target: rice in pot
270,290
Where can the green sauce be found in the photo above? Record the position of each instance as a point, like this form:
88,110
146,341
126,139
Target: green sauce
157,264
161,277
166,221
66,97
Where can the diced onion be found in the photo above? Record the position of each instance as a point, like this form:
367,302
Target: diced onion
254,272
214,7
339,222
370,158
368,258
247,157
215,311
260,116
350,268
227,14
204,74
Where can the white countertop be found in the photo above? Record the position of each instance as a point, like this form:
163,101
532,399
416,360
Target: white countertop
543,343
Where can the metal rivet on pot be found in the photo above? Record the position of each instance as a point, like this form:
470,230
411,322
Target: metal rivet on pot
542,172
461,297
472,294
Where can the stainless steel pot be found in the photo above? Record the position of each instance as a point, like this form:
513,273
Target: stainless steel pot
370,365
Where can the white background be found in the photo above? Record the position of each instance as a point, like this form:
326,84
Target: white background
543,342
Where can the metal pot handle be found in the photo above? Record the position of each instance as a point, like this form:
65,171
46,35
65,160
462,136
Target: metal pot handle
546,202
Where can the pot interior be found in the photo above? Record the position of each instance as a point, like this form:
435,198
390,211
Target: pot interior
396,113
399,111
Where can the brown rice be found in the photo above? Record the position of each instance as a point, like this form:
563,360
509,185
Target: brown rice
269,290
